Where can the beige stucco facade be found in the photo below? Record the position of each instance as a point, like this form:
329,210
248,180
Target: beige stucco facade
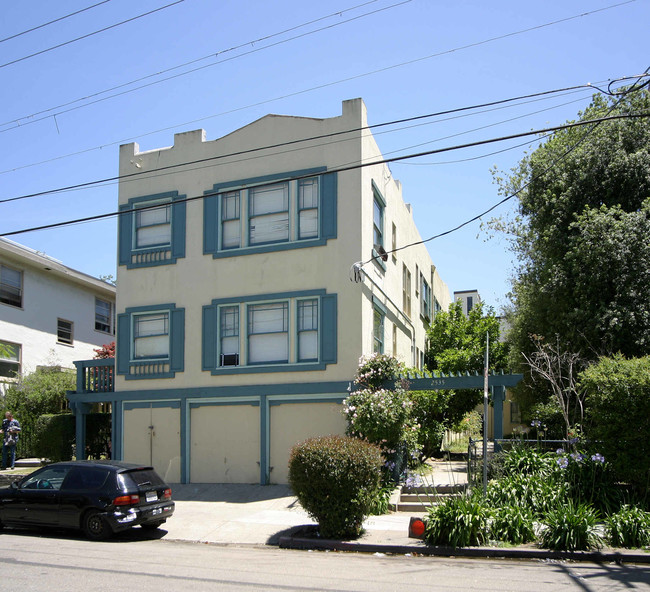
262,408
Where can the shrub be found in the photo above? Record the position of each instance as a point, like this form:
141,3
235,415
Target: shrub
629,527
54,436
617,396
457,522
537,493
512,524
571,528
428,409
336,480
525,460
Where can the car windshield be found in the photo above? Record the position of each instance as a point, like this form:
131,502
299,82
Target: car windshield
48,478
143,477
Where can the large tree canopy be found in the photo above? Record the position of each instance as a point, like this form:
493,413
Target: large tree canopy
582,235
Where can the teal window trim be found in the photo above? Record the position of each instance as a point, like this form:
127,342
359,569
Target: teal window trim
127,363
378,326
153,255
378,224
327,340
327,213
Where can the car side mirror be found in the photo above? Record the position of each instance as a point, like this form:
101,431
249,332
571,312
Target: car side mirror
14,485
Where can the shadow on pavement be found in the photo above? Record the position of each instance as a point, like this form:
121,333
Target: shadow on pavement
235,493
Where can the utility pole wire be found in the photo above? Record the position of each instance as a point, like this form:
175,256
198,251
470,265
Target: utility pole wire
355,167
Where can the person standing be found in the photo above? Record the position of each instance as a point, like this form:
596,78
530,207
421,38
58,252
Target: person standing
10,431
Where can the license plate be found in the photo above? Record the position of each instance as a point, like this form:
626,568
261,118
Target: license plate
156,511
151,496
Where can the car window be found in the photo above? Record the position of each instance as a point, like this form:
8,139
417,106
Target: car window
86,478
47,478
143,477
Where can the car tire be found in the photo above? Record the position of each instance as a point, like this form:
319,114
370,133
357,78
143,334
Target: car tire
152,525
94,526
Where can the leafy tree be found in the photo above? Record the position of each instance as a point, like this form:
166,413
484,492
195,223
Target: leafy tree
581,235
456,343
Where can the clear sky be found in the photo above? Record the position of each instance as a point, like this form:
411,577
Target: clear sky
404,58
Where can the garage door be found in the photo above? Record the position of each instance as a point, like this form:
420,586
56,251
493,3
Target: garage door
291,423
152,437
225,443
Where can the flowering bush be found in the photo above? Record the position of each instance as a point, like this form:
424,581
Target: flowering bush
375,369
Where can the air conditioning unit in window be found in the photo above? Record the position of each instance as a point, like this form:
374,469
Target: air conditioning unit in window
229,359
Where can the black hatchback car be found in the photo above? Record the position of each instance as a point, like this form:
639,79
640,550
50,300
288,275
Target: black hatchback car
98,497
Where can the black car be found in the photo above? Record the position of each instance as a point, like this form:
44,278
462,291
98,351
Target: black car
98,497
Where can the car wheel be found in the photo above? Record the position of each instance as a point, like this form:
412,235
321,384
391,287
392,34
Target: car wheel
152,525
94,526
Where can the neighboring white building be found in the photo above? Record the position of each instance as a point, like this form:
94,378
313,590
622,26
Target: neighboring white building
50,314
469,298
250,283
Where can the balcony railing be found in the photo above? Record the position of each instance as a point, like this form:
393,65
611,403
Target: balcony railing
95,376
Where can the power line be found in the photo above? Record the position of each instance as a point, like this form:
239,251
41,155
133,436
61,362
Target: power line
218,53
52,22
299,141
89,34
364,165
381,70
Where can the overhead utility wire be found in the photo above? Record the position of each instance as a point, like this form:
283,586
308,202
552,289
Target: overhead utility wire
328,84
595,122
300,140
89,34
217,54
350,168
52,22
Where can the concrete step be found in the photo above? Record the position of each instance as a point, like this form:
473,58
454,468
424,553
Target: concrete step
435,489
425,498
33,463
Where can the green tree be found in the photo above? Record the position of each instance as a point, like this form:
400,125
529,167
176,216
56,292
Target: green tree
456,343
581,235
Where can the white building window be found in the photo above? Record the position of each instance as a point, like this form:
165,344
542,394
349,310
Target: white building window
308,330
377,222
406,291
308,208
268,333
151,336
425,302
230,221
229,336
64,331
378,330
153,227
269,214
104,316
9,360
11,286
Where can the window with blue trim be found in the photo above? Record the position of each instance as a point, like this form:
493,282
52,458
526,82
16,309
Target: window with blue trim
378,330
425,301
284,332
151,342
378,210
152,230
275,212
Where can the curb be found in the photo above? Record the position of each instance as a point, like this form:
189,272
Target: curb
619,556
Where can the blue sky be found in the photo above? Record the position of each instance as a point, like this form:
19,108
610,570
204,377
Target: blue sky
403,58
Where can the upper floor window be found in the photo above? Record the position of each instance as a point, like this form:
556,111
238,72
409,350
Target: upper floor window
377,222
104,317
64,331
152,230
11,286
151,341
9,359
406,290
270,213
294,331
470,304
378,330
425,298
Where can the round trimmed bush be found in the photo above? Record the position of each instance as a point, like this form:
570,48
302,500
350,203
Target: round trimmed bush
336,480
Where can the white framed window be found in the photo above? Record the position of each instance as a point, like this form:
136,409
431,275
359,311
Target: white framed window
11,286
229,336
268,333
394,243
9,359
230,220
378,330
153,227
104,316
308,208
151,336
65,331
268,208
308,330
425,301
406,290
377,222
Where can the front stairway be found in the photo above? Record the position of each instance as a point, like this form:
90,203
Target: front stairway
442,480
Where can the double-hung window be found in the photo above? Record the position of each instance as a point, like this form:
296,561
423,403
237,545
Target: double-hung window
11,286
282,332
377,223
151,341
406,291
9,360
151,335
64,331
275,212
268,209
152,230
268,333
378,317
104,318
425,294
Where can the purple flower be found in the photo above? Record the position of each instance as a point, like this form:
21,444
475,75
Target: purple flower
599,458
577,457
559,451
536,423
563,462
